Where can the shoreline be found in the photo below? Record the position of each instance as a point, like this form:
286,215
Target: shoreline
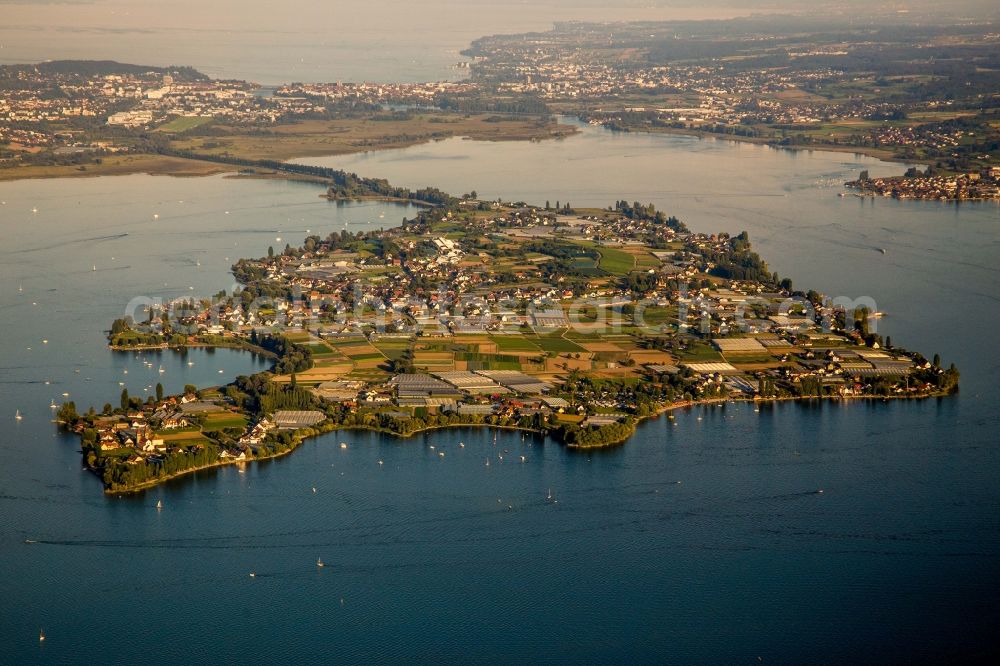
665,409
874,153
156,164
153,164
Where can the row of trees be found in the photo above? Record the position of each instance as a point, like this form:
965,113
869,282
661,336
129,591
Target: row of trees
606,435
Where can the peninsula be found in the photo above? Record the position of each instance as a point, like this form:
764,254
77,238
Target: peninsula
572,323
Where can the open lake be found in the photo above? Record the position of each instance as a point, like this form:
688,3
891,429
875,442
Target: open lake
701,542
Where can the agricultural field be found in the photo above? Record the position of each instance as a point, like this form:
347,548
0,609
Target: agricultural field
515,343
183,439
615,261
223,420
557,343
183,124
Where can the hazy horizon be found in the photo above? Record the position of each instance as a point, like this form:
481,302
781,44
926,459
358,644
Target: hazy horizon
380,40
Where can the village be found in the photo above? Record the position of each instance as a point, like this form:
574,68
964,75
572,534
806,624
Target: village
976,186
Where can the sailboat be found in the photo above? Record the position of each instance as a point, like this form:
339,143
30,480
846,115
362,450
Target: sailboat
319,563
41,635
549,498
53,405
17,415
159,504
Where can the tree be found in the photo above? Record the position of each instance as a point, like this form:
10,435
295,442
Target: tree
270,252
937,361
121,325
124,400
67,413
159,391
190,389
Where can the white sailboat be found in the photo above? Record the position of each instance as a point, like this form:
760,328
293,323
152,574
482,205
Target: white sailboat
159,504
17,415
319,563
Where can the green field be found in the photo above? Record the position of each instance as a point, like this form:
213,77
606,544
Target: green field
558,344
368,357
700,351
320,350
223,420
184,123
645,261
514,343
586,266
616,262
392,350
656,315
489,362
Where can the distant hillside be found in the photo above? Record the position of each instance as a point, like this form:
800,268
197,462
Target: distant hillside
89,68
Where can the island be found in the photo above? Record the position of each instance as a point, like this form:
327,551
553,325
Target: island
566,322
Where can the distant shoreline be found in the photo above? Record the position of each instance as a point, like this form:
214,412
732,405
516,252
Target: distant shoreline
163,165
155,164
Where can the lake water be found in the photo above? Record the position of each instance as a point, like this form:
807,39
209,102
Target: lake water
443,559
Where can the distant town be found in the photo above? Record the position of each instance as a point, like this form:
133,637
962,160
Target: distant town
921,94
572,323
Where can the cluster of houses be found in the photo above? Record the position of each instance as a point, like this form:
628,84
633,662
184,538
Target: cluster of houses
133,100
980,185
146,432
375,93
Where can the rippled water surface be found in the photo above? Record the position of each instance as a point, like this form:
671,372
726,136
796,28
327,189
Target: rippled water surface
701,542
